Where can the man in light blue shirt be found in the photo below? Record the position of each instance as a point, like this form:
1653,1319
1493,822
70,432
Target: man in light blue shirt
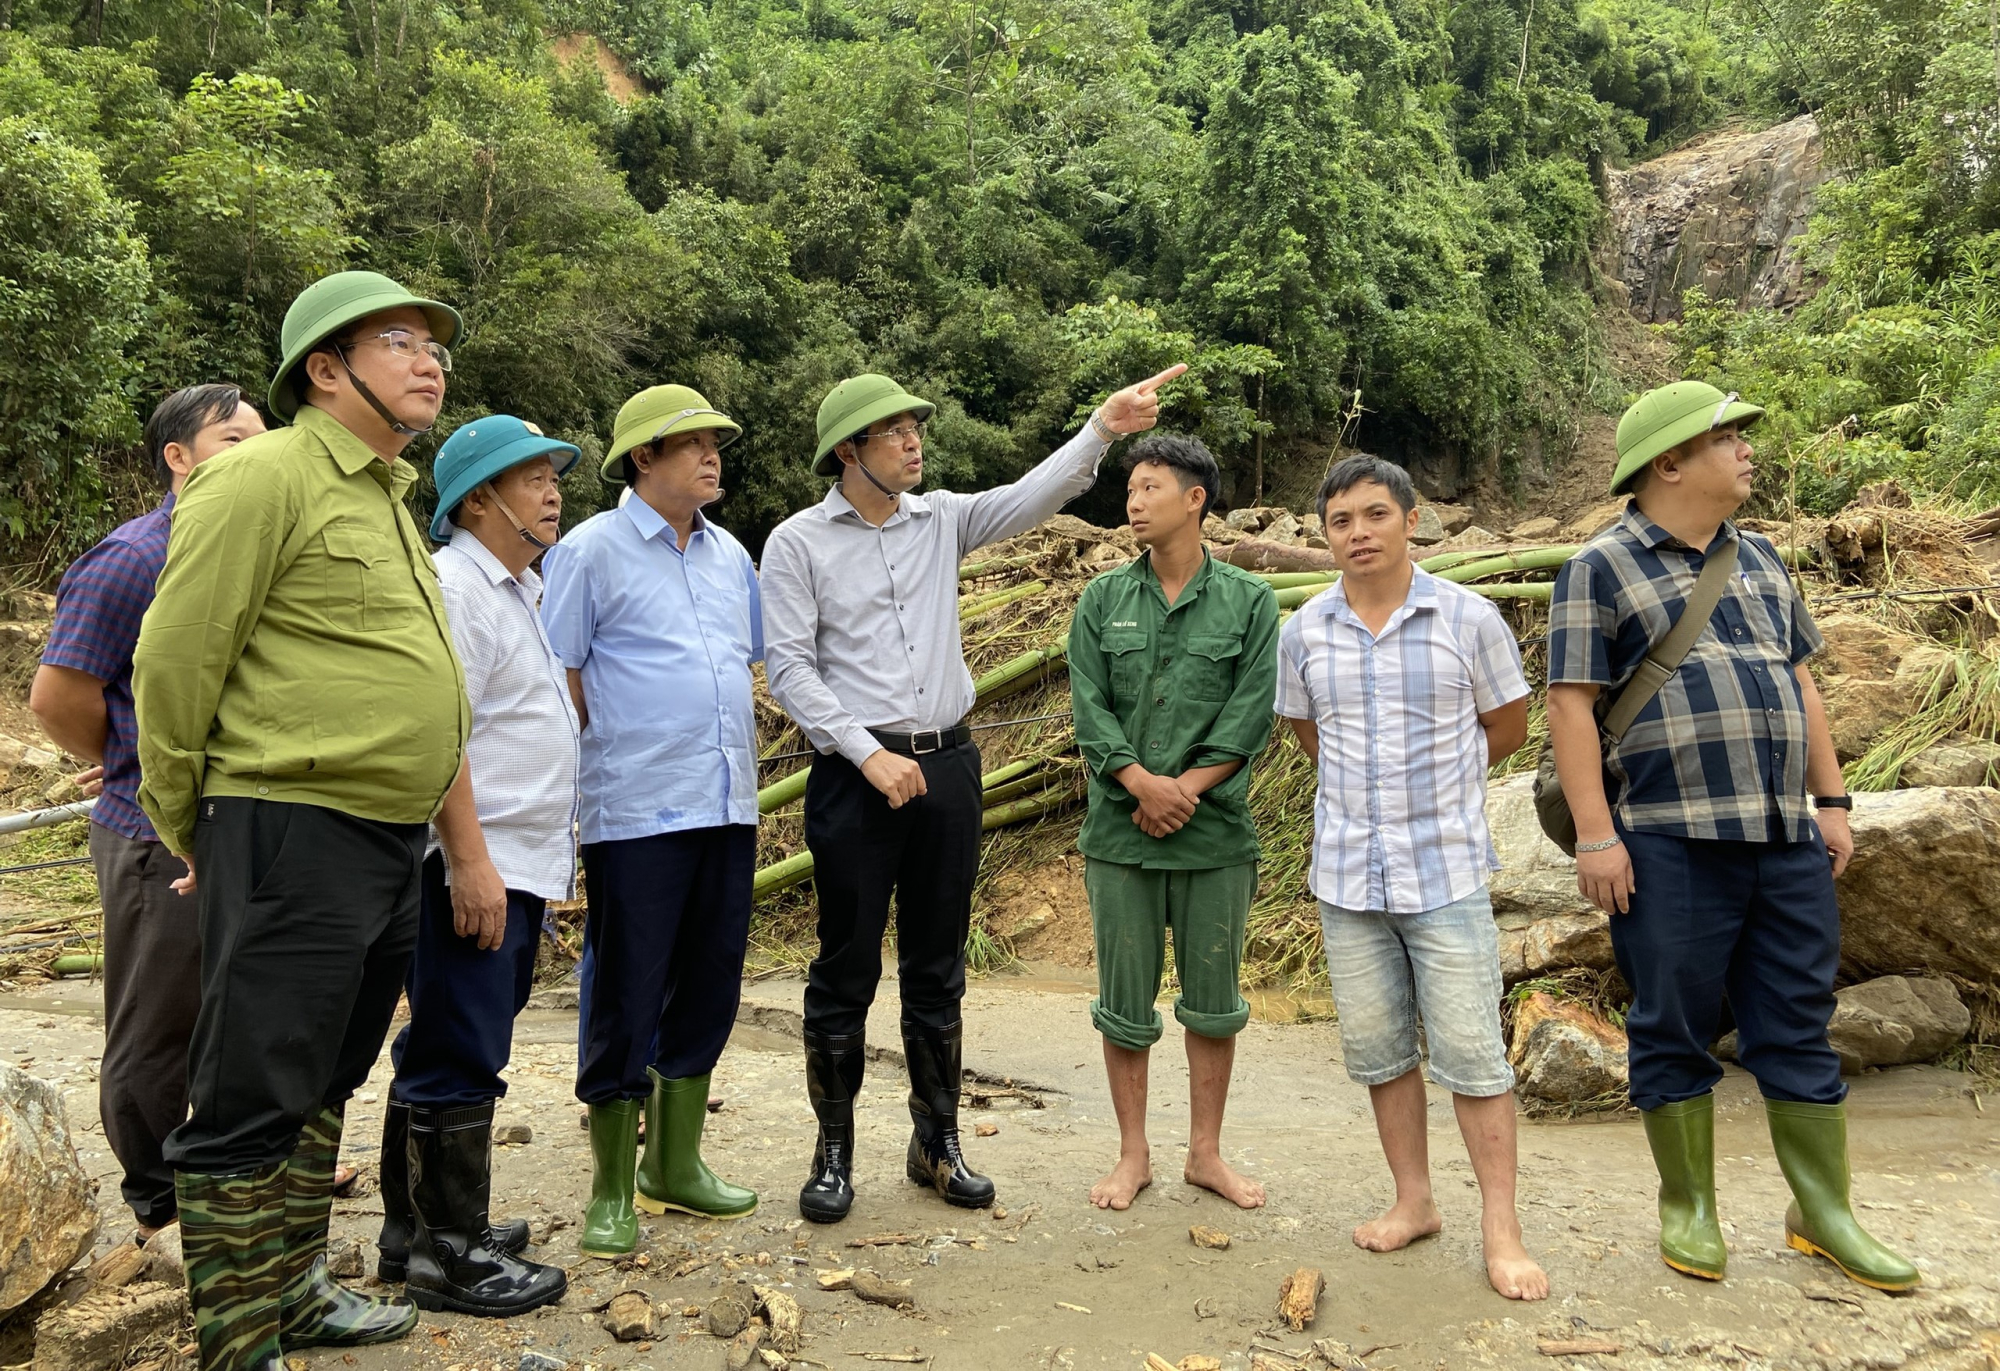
654,613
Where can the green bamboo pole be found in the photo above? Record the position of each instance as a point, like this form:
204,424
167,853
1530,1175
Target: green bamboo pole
78,964
782,875
1010,772
974,570
983,604
1528,559
783,791
1013,790
1018,673
1492,590
1033,807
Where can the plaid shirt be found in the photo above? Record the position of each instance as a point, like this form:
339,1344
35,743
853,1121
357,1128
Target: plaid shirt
1399,824
99,604
1720,752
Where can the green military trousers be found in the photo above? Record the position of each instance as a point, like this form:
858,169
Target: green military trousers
1131,909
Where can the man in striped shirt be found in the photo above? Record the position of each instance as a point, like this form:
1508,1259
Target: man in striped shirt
1405,688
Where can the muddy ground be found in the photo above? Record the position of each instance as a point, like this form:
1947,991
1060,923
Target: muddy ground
1056,1283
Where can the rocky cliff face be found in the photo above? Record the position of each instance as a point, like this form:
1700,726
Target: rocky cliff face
1722,213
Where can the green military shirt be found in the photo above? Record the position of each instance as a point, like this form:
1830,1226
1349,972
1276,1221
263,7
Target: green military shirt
296,649
1173,688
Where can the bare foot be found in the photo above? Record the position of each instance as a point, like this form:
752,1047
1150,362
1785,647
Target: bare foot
1402,1225
1122,1186
1213,1173
1513,1272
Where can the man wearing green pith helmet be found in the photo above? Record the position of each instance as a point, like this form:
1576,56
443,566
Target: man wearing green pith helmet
1693,828
301,717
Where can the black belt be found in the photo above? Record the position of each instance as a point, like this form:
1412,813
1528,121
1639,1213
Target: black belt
924,740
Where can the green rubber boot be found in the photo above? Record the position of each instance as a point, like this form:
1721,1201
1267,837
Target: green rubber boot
233,1246
610,1228
672,1174
317,1310
1811,1143
1682,1136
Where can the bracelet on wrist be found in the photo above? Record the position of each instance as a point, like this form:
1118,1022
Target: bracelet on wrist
1604,846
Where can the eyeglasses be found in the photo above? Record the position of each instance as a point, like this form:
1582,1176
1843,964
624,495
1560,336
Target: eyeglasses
1722,409
898,434
407,347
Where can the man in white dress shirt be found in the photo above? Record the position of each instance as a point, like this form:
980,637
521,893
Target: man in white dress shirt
861,648
503,847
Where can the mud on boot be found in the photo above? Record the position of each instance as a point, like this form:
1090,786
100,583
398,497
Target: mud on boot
1811,1143
935,1159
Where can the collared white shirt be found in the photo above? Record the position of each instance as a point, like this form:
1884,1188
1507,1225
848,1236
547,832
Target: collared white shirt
664,637
861,623
523,749
1399,824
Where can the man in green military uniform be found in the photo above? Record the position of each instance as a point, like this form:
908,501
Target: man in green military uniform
1173,668
301,715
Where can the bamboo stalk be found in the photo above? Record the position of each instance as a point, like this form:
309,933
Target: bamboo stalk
1026,785
1033,807
78,964
974,570
1528,559
1492,590
783,791
985,604
782,875
1018,673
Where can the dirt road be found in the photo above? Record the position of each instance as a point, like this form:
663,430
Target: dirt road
1056,1283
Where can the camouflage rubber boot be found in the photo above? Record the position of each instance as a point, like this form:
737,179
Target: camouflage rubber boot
233,1247
318,1311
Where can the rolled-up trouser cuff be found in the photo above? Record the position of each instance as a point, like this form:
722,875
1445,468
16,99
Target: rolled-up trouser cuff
1213,1025
1126,1033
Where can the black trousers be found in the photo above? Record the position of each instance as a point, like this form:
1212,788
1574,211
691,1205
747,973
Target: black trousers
925,854
1756,922
152,993
308,918
663,950
463,1000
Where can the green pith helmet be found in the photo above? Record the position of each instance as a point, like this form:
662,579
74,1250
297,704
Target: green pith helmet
1669,416
660,412
329,305
852,406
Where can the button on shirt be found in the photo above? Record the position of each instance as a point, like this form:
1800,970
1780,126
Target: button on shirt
297,648
861,623
523,750
1720,752
99,605
1399,824
1171,688
664,637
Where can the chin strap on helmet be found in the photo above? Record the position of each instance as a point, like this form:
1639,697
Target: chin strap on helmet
512,518
391,420
863,469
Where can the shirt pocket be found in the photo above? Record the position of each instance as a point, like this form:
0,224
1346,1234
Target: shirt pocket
1211,664
1126,649
364,590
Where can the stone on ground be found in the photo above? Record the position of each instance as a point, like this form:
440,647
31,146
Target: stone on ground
1967,761
629,1317
96,1332
1563,1054
164,1261
1430,529
1895,1020
1923,890
48,1216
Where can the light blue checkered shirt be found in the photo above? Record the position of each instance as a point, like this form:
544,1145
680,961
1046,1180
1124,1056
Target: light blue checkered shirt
1400,821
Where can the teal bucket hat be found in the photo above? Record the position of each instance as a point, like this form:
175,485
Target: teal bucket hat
478,451
329,305
852,406
1665,418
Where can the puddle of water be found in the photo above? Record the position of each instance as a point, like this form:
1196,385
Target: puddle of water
74,1009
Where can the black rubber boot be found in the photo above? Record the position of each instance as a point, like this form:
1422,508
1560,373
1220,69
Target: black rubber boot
935,1075
398,1222
453,1264
834,1066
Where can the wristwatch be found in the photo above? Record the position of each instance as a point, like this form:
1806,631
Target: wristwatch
1833,802
1104,431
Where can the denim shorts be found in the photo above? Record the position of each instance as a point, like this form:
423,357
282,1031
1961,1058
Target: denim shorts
1441,967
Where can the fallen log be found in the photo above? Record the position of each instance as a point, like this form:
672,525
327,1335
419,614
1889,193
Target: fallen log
1255,554
1298,1297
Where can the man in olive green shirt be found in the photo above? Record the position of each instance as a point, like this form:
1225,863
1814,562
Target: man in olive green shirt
1173,665
301,715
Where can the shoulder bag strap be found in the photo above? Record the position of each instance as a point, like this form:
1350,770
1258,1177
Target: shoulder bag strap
1666,656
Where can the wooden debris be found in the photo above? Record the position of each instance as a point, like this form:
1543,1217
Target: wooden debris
1258,554
876,1290
784,1315
629,1316
905,1358
1212,1238
120,1266
689,1267
888,1240
842,1279
1298,1297
743,1347
983,1096
727,1313
1073,1308
1195,1361
774,1360
1156,1362
1577,1347
106,1323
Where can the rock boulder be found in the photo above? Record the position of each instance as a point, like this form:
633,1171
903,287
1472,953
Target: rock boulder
1871,677
1536,879
1966,761
1565,1055
49,1214
1923,890
1894,1020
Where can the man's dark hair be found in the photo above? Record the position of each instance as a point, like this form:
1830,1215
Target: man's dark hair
181,416
1349,472
1191,461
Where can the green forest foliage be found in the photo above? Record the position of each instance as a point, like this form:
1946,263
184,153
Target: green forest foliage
1893,368
1012,207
